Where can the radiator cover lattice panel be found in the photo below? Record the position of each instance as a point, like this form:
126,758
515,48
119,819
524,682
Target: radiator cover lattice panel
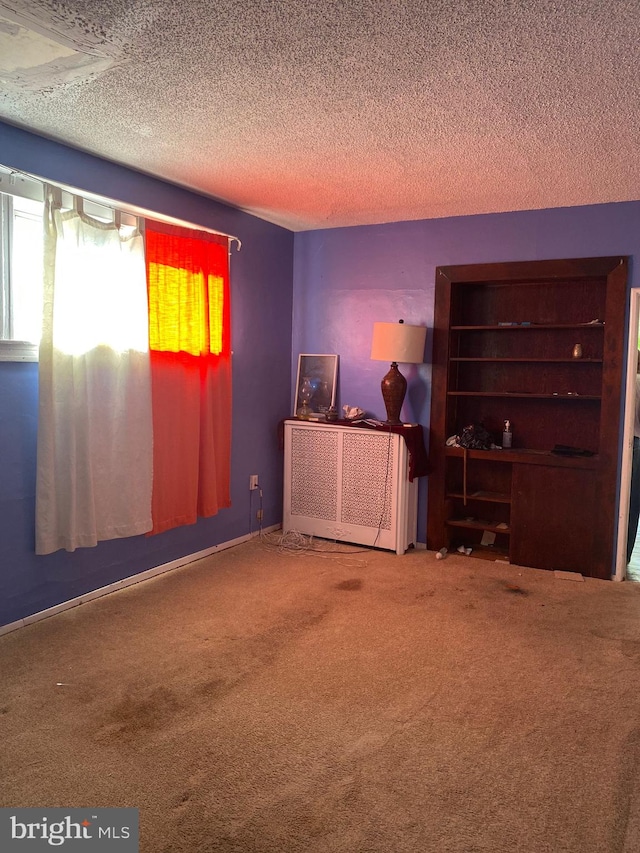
314,473
367,479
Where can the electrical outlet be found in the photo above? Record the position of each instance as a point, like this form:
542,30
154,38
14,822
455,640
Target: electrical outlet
259,515
253,482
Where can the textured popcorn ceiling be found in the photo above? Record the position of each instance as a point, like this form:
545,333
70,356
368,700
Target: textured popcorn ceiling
314,114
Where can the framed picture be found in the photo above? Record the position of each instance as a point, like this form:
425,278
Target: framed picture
316,383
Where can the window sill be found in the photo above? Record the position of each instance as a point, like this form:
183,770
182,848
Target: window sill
18,351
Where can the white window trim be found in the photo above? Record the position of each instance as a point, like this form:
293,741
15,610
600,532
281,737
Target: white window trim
18,351
17,184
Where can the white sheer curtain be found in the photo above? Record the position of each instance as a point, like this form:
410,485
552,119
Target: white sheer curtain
95,444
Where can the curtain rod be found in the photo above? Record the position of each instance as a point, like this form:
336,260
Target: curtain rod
122,207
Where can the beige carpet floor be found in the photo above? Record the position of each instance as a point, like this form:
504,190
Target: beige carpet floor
259,702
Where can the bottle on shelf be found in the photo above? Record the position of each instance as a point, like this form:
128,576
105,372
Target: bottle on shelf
507,435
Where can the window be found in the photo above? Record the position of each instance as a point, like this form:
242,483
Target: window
20,277
113,411
21,249
130,439
21,246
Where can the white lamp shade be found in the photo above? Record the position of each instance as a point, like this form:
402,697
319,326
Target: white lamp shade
398,342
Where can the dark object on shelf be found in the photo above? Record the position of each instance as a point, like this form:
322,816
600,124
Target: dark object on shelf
567,450
475,437
332,413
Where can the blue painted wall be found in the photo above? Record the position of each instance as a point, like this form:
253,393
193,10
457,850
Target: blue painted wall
261,277
347,278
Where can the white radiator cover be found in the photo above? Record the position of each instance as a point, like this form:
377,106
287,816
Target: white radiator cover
349,484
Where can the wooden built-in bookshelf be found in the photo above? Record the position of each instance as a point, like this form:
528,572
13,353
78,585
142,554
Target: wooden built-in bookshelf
504,342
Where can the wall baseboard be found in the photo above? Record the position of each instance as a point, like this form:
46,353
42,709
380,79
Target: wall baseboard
130,581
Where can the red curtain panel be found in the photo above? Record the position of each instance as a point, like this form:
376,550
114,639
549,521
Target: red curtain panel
189,338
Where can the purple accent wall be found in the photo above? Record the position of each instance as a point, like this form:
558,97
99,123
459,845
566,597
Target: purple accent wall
347,278
261,276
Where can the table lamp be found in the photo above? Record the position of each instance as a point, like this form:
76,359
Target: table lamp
396,342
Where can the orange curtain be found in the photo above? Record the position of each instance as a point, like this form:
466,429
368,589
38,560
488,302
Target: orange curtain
189,338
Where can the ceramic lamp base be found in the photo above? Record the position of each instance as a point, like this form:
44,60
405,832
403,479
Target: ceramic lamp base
394,387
